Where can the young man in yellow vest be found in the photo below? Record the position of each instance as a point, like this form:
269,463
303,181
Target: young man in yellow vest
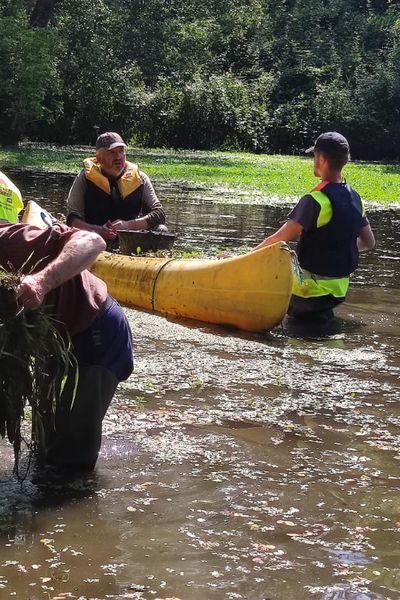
333,228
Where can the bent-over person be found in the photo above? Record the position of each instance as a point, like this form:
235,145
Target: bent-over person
54,264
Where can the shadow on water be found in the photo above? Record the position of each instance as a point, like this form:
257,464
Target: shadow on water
234,466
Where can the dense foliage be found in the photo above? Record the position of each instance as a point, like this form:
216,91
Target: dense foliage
258,75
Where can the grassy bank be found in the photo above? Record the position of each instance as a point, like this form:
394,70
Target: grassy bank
267,176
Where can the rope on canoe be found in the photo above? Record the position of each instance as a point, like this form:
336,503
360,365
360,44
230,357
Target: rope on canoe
153,291
297,270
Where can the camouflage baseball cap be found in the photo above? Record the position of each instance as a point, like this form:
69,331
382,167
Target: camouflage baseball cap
109,141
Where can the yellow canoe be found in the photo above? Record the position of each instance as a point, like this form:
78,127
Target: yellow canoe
250,292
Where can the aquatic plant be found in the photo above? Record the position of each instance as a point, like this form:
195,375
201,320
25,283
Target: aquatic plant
140,400
33,359
171,253
197,384
242,178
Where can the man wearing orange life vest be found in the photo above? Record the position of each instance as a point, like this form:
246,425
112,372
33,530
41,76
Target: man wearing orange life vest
111,194
333,228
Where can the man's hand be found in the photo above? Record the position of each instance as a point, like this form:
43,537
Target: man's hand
138,224
120,225
107,231
31,292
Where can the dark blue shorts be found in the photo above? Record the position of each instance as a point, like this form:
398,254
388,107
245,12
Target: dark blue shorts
108,342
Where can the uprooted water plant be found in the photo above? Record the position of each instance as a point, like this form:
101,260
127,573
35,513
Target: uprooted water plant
34,357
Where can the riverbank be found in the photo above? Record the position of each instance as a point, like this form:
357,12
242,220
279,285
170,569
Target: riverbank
278,177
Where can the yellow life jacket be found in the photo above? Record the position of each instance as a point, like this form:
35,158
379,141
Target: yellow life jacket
10,200
129,181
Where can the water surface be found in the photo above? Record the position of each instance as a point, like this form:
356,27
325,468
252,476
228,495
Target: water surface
234,465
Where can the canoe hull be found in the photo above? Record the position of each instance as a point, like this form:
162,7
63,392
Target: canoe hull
249,292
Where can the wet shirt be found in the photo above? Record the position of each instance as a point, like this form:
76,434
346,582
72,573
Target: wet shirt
75,303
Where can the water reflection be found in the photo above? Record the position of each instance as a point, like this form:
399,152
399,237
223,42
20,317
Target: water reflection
46,542
343,593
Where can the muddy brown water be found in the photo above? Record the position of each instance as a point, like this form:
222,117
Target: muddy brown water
234,466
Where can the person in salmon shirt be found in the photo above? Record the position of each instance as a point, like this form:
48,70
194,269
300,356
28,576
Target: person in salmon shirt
54,264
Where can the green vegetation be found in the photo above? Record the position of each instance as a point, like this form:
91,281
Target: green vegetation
254,75
257,176
33,358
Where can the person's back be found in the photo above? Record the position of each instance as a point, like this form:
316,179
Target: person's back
333,228
329,248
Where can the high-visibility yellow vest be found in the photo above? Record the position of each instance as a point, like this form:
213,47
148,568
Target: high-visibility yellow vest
10,200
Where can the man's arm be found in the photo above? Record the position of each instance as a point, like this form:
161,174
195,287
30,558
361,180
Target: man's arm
301,218
366,239
152,211
137,224
106,231
78,253
288,232
76,198
76,210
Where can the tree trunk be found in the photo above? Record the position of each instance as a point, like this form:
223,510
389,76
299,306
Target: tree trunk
42,13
